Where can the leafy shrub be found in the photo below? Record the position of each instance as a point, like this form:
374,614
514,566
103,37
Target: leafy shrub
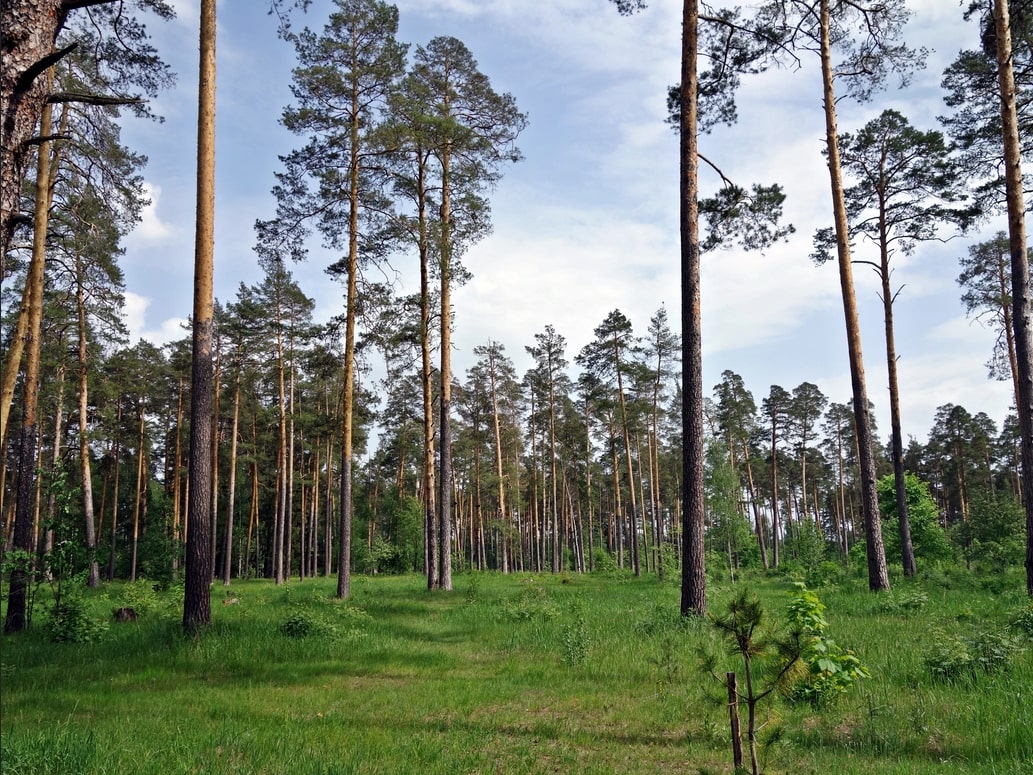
307,620
831,669
904,602
140,595
1022,620
575,638
955,657
928,539
531,602
70,622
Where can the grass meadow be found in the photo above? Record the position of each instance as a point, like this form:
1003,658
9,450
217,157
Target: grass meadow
510,674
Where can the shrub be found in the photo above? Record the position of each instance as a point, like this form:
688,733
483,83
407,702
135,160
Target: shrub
532,602
1022,620
928,538
575,637
903,603
831,669
954,657
69,622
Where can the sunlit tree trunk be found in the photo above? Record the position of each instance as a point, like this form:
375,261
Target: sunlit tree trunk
878,576
694,580
197,604
1021,303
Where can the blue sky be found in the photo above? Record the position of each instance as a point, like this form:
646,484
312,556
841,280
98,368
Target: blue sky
587,222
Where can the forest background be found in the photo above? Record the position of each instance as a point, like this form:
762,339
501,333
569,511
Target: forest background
277,321
587,221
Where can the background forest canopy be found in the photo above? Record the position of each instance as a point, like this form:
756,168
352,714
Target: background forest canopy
563,456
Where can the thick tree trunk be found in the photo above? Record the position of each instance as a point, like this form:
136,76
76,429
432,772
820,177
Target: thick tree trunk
1021,302
16,618
29,29
197,603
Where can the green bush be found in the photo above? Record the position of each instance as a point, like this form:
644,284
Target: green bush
928,538
954,657
831,669
903,603
575,637
69,621
531,602
1023,620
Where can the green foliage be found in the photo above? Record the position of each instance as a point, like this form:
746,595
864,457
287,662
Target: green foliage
831,670
1022,620
69,621
606,564
140,595
927,536
903,602
994,535
808,549
59,750
302,623
955,657
575,637
530,603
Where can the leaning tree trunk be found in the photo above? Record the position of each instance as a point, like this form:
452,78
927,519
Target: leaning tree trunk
878,576
1021,303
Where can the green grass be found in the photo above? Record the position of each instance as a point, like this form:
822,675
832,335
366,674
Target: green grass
507,674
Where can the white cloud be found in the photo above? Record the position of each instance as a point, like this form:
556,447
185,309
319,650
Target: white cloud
135,310
151,227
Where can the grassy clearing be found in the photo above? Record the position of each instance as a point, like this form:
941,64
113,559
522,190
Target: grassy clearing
507,674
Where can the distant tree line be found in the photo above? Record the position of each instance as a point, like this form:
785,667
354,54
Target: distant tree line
316,465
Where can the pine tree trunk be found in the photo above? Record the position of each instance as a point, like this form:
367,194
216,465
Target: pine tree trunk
227,543
878,577
694,580
1020,278
197,604
907,550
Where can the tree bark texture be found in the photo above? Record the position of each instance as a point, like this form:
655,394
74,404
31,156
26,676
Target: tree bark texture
197,603
693,581
1021,305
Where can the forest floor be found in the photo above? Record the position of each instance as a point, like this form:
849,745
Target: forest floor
510,673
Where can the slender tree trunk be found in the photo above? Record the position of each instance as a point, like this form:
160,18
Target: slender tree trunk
114,492
1021,302
197,603
445,419
89,522
227,544
344,542
431,546
141,494
907,550
694,580
878,577
758,518
775,524
633,505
